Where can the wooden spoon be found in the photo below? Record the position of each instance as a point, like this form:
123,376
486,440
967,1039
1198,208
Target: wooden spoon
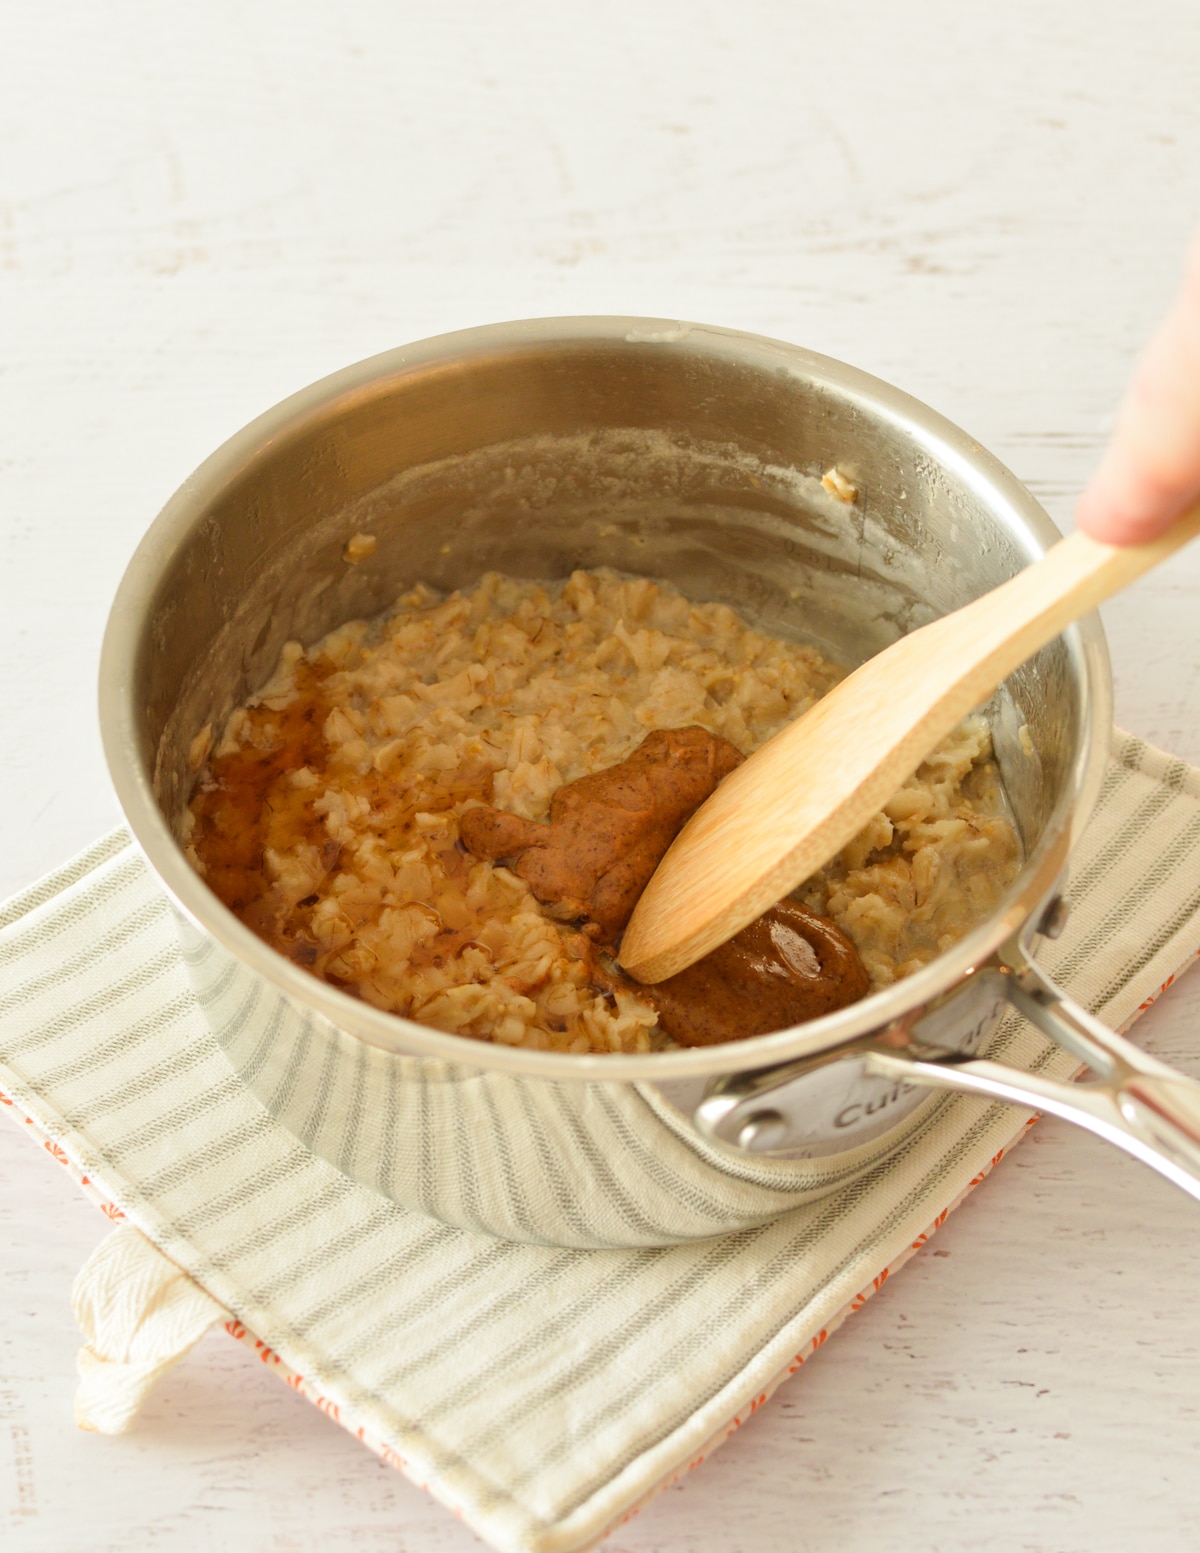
809,790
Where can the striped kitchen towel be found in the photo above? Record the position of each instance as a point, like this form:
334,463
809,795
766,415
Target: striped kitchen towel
542,1393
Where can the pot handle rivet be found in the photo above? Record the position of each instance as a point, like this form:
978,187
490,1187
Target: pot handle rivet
762,1131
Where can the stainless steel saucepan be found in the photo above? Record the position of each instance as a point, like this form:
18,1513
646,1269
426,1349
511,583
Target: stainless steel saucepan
678,451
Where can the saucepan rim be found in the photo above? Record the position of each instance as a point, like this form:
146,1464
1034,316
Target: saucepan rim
953,447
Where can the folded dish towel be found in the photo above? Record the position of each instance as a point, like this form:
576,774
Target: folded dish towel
542,1393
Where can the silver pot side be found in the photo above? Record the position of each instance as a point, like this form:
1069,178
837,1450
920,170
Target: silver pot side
594,1165
535,448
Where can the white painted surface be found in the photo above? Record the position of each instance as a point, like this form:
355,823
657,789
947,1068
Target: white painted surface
203,208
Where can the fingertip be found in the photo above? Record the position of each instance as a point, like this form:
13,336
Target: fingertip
1112,523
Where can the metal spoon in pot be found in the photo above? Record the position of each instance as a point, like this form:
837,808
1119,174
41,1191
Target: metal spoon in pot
809,790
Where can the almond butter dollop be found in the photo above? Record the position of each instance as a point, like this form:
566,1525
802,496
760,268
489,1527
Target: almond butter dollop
606,835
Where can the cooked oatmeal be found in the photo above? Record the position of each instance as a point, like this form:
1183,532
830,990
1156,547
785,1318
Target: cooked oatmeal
327,813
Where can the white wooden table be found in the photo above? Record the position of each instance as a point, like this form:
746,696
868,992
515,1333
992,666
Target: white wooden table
204,207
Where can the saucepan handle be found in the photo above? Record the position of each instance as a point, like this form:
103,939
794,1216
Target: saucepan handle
1134,1101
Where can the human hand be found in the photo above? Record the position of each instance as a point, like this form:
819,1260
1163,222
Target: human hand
1150,471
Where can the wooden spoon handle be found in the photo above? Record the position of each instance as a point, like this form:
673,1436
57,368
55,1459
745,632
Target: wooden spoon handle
1029,610
809,790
